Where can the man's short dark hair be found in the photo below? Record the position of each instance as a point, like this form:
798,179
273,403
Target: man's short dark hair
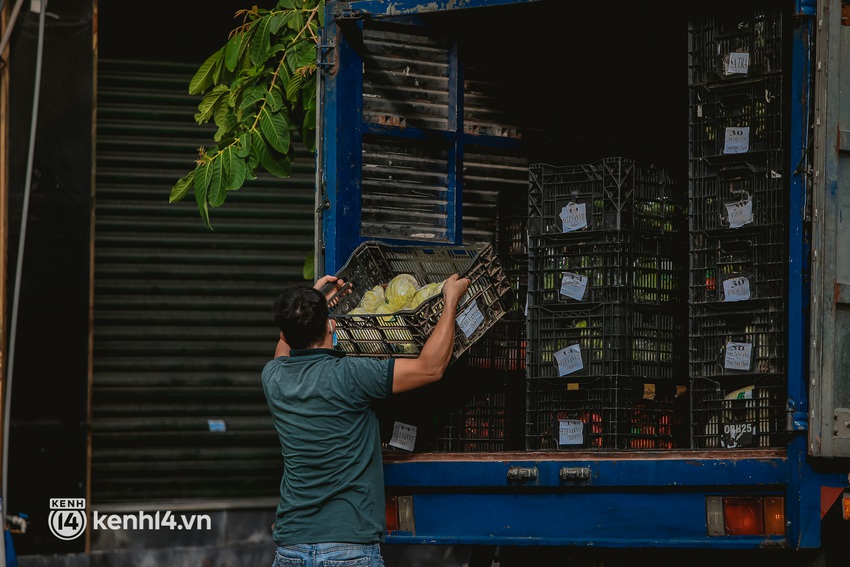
301,313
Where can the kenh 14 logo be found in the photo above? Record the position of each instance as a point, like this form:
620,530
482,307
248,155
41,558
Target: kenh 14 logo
67,518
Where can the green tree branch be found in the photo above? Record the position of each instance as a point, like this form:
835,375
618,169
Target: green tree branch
256,88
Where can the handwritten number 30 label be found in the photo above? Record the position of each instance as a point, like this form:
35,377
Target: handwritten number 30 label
738,356
736,289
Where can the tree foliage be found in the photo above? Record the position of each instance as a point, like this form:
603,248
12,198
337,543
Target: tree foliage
256,88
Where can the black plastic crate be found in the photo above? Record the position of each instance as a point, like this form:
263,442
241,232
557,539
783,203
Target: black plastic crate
501,348
606,266
747,341
611,194
737,196
729,271
608,339
737,120
735,413
512,244
481,412
404,333
607,413
736,43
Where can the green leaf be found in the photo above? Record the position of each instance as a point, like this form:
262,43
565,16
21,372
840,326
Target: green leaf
243,146
306,54
207,105
276,21
275,127
217,189
277,167
235,168
292,86
203,78
322,13
252,95
274,100
260,47
226,121
203,208
309,269
233,50
203,174
181,188
295,21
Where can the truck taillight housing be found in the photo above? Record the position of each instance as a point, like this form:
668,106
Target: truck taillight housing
745,515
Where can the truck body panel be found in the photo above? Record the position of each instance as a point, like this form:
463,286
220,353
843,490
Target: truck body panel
385,133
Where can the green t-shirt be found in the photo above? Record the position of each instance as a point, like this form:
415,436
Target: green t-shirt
332,487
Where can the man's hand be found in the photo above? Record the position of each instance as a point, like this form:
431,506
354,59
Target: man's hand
454,288
338,285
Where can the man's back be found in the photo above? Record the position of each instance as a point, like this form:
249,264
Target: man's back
332,485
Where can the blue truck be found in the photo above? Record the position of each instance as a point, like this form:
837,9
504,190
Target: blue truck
436,120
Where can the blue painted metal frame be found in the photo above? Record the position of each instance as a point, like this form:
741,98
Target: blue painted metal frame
627,501
342,95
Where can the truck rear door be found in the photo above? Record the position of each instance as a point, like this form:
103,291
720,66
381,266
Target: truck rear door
829,431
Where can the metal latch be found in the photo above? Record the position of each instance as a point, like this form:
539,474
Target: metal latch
522,473
575,473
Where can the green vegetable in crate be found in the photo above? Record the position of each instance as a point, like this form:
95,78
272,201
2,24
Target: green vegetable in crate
371,300
425,293
379,291
384,308
400,291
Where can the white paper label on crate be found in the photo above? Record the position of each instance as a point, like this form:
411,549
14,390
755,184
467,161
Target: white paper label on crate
737,140
404,436
570,432
737,64
738,435
568,360
573,217
573,286
736,289
740,213
470,319
738,356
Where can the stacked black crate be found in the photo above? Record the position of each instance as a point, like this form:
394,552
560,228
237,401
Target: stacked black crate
737,220
605,307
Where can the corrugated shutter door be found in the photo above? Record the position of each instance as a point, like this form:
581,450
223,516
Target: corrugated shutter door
182,315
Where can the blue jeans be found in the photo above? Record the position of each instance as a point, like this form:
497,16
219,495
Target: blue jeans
329,555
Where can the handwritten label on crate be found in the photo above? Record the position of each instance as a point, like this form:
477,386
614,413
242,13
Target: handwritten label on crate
736,64
739,213
404,436
738,435
470,319
573,217
573,286
738,356
737,140
736,289
217,425
570,432
568,360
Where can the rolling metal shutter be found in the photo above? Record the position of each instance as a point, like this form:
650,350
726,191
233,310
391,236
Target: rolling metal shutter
182,315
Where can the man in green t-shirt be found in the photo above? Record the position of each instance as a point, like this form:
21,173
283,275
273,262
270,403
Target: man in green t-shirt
332,489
